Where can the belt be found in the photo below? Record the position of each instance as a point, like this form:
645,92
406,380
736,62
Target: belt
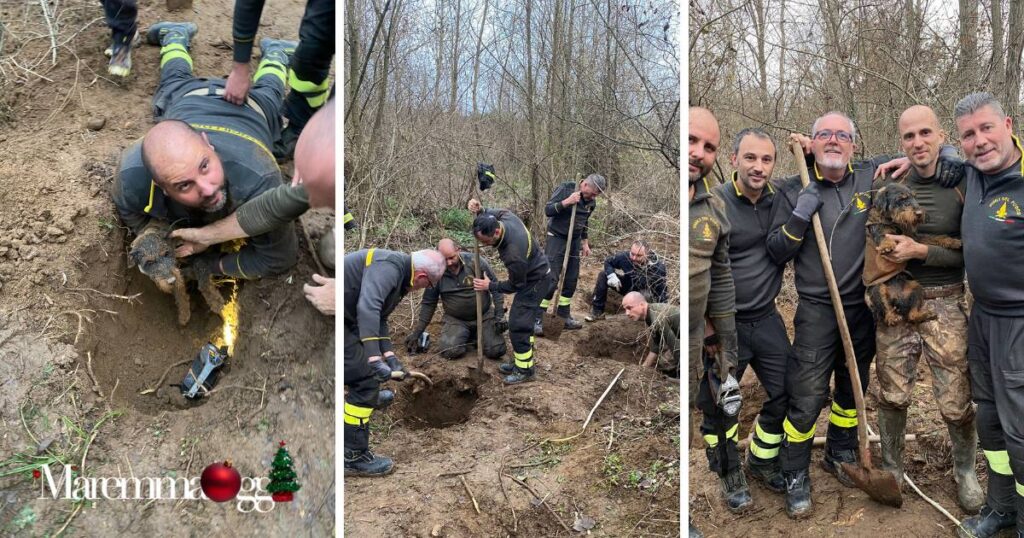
943,291
249,101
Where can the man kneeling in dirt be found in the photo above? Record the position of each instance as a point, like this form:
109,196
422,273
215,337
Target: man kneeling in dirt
638,269
663,321
206,157
456,293
376,280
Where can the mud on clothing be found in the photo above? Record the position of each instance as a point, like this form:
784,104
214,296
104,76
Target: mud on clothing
663,320
273,209
241,136
557,240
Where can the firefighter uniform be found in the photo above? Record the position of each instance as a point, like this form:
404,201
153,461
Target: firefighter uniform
649,279
242,137
558,239
458,329
375,282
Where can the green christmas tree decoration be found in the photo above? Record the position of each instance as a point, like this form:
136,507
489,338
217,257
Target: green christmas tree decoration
282,477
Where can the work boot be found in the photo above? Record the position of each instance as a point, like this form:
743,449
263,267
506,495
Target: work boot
986,524
571,324
538,327
798,493
964,439
364,463
832,463
163,33
735,491
507,368
891,425
120,60
695,532
520,375
135,41
767,472
277,50
384,398
594,315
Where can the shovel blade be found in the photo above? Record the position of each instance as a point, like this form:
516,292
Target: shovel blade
878,484
553,326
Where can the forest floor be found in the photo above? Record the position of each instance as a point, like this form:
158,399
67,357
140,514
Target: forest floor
82,335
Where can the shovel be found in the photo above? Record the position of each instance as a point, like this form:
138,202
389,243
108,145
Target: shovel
552,323
485,177
878,484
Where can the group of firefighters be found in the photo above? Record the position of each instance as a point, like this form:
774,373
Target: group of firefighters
744,232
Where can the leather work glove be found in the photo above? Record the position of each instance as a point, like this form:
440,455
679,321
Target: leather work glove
808,202
727,361
412,340
613,281
380,369
949,169
501,325
397,370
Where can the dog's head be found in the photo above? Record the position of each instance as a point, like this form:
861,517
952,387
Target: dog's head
895,203
155,258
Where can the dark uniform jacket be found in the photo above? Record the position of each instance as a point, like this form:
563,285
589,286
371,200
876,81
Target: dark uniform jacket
273,209
456,292
376,280
649,277
712,291
663,319
558,216
519,251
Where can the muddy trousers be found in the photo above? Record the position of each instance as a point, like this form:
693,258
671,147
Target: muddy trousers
995,354
457,335
311,64
521,316
362,389
554,249
122,18
764,346
817,355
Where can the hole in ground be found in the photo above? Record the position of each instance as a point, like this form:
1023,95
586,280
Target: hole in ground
616,337
448,402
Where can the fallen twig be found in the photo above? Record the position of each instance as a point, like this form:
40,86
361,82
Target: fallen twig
541,499
67,521
592,410
470,492
130,298
164,376
501,473
88,367
117,382
456,473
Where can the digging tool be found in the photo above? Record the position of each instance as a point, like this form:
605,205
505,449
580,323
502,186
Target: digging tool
553,324
878,484
414,374
485,178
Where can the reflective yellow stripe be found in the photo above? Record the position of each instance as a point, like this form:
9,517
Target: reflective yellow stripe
239,134
711,440
545,303
268,67
347,218
369,256
735,185
373,338
731,433
998,461
523,356
791,236
564,301
767,438
794,435
1016,142
844,418
764,453
524,364
356,415
172,51
152,190
529,242
314,94
532,339
1020,488
238,264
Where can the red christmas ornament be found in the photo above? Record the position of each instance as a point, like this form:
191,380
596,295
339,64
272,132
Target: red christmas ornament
36,474
220,481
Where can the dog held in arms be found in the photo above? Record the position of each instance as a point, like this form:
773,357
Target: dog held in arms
153,253
892,295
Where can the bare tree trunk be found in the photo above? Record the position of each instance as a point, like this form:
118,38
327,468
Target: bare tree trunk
352,124
996,67
439,53
968,39
760,29
536,194
476,57
382,85
782,56
1015,37
453,101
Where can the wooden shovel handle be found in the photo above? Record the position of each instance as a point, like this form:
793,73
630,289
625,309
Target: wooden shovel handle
565,260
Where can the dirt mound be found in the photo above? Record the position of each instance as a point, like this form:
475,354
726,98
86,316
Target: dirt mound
448,402
617,337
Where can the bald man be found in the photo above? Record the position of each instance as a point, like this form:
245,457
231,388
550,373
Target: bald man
206,157
663,321
712,300
941,342
455,291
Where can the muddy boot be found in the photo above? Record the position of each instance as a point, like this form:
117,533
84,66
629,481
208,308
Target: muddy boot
798,494
277,50
986,524
594,315
519,375
120,59
965,445
384,398
571,324
833,460
164,33
767,472
891,425
538,326
735,491
364,463
507,368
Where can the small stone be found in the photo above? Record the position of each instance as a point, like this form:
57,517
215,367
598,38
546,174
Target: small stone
95,124
437,530
138,361
54,231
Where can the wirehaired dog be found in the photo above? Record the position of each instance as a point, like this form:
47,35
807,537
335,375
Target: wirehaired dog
893,296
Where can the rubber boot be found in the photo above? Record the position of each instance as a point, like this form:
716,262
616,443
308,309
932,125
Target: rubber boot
277,50
163,33
964,439
986,524
364,463
767,472
798,494
891,425
520,375
735,491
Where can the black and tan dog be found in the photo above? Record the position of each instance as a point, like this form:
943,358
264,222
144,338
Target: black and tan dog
892,295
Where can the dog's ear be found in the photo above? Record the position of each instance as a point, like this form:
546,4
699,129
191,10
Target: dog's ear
882,202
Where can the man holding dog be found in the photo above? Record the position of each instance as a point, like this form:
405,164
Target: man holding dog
942,342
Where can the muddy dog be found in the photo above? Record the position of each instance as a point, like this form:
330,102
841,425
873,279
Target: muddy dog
153,253
892,295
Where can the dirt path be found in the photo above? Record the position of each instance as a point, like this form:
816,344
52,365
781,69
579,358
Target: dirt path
621,477
62,301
